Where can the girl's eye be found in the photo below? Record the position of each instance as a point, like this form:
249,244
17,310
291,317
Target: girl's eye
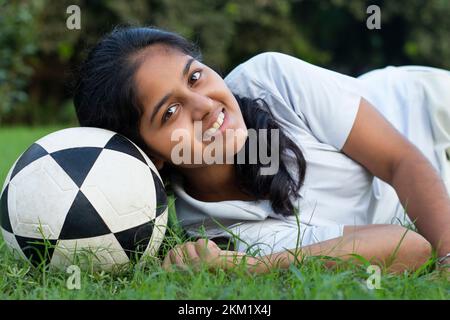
195,76
170,111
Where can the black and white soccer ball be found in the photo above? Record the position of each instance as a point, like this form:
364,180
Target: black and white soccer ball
83,192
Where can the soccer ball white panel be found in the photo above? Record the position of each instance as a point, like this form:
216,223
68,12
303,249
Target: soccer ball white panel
150,163
74,137
40,192
124,198
159,230
12,243
160,194
103,252
8,176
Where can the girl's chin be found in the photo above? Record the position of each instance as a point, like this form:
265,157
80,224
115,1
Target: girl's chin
215,152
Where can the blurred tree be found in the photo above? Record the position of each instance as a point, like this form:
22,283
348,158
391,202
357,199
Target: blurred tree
412,32
262,25
39,54
17,47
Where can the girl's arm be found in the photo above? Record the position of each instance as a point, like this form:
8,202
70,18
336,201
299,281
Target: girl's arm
390,246
378,146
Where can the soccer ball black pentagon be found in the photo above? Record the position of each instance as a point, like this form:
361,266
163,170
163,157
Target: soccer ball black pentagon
83,190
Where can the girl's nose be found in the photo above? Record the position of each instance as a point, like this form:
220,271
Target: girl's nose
201,106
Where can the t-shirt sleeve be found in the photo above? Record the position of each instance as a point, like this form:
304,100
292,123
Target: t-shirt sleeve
325,101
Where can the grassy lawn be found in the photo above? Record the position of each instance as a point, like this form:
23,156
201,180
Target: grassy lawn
148,281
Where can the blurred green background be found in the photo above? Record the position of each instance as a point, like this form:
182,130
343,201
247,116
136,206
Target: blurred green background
39,55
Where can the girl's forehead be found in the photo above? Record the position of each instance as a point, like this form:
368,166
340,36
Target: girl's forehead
155,54
162,62
158,71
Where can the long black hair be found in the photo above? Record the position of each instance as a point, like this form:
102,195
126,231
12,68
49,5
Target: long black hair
105,97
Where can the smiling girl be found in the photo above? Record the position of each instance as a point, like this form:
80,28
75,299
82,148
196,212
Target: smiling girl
358,157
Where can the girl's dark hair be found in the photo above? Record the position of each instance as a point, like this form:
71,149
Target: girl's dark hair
105,97
279,187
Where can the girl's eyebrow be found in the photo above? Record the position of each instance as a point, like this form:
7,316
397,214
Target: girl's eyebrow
167,96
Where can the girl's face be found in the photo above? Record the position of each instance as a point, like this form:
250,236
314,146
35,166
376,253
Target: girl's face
183,100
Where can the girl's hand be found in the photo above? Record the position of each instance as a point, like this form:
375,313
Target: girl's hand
193,254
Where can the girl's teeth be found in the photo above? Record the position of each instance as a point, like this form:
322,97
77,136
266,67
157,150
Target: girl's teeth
208,133
218,122
216,125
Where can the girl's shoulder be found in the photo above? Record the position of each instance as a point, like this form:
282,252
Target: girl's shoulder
264,69
266,60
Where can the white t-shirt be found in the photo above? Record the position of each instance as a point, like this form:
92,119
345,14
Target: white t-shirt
316,107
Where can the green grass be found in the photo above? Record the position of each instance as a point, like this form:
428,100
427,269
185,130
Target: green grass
148,281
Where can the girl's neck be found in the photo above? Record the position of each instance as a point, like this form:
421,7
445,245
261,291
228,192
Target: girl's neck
213,183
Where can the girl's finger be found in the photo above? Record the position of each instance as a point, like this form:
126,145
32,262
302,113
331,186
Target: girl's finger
206,248
176,257
192,255
167,263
